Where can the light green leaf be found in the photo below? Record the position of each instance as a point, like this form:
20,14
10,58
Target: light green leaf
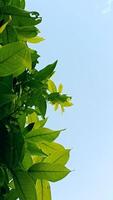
60,88
36,39
27,160
34,150
59,157
47,171
42,134
40,123
32,118
14,59
24,185
51,86
43,190
50,148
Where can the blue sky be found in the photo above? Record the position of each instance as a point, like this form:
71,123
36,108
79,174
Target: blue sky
80,35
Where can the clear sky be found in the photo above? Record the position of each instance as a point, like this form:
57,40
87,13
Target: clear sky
80,35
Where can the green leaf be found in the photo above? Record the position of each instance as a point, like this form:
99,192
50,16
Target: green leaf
43,190
14,59
47,171
12,195
42,106
6,84
18,3
28,128
50,148
32,118
12,146
34,57
59,157
34,150
42,134
22,4
2,176
26,32
8,35
20,17
6,110
4,25
27,160
40,123
24,185
5,98
51,86
35,39
46,72
21,121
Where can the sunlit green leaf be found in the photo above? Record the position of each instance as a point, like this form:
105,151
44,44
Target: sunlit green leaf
51,86
14,59
34,150
27,160
47,171
36,39
42,134
50,147
43,190
59,157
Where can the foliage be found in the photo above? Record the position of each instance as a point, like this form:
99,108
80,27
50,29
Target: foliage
29,157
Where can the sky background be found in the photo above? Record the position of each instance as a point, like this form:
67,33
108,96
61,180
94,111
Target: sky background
80,35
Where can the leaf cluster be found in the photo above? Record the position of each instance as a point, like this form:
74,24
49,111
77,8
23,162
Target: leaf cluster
29,156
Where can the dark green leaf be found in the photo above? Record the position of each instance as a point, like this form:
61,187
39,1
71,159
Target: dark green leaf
11,146
2,176
25,32
8,35
6,98
20,17
12,195
46,72
28,128
42,105
6,84
18,3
